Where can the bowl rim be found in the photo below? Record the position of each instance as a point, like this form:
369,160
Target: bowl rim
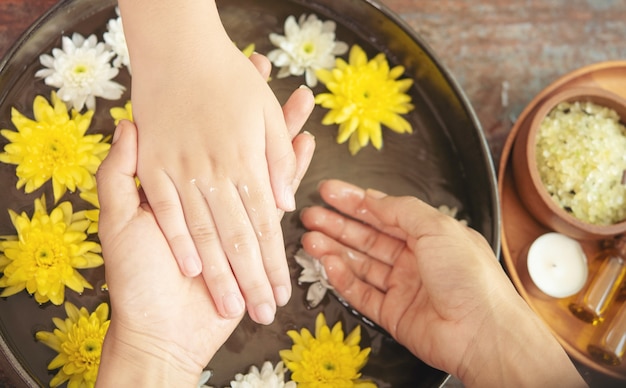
593,94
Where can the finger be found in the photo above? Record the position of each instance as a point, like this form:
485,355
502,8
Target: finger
362,296
281,160
304,147
241,245
217,272
166,204
366,268
262,64
350,200
409,214
353,234
260,207
116,179
297,109
266,224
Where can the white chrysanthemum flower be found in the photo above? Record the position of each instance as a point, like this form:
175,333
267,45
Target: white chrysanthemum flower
308,45
82,71
451,211
267,377
204,378
116,40
312,272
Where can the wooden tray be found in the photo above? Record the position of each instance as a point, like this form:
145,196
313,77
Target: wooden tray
519,229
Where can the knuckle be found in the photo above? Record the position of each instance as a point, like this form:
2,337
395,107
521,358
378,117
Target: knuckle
164,207
257,292
364,265
277,269
267,231
217,277
178,242
239,243
367,296
369,240
203,233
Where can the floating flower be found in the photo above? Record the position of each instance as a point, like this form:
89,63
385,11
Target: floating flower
312,272
307,46
82,71
122,113
115,38
78,342
44,256
249,50
363,96
451,211
53,146
92,215
204,378
326,360
268,377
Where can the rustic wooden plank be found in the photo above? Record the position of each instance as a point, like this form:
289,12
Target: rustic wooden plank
527,44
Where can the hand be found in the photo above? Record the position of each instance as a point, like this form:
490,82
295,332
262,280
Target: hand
164,325
433,284
215,157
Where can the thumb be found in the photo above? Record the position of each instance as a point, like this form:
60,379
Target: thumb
117,190
407,215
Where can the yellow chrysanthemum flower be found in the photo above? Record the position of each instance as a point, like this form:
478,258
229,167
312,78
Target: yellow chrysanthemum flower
326,360
248,50
122,113
78,340
364,95
53,146
44,256
92,215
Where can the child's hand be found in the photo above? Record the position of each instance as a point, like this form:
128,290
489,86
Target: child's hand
215,161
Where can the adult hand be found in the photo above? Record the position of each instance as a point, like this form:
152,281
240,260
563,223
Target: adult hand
164,325
434,285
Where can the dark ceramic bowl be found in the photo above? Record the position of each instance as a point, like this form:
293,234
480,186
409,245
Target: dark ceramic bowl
531,189
444,161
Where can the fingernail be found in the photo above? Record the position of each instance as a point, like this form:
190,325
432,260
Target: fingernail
309,133
264,314
375,194
233,305
282,295
192,264
290,200
304,87
117,133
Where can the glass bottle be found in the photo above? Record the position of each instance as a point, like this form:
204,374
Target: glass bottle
593,302
610,345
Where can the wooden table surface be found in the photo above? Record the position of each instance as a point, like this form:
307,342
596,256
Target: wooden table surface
502,52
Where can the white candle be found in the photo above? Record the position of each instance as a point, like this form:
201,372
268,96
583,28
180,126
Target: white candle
557,265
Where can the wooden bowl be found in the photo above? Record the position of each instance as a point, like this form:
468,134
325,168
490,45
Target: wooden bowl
531,189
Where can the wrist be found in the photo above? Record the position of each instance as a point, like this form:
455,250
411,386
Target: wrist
136,359
161,31
506,349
